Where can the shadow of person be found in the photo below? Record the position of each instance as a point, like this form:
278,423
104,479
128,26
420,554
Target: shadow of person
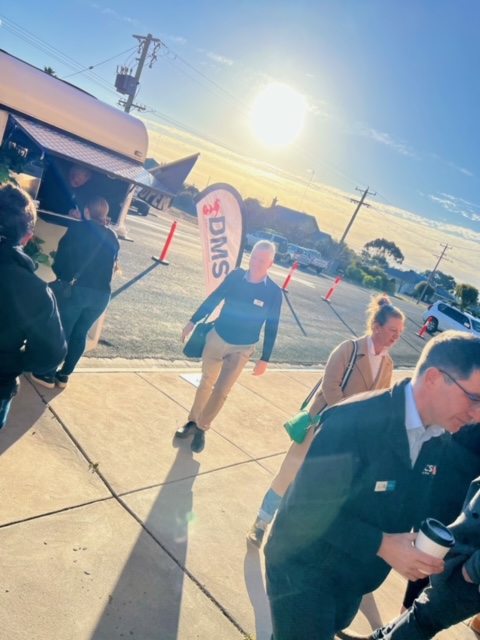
27,408
252,571
147,599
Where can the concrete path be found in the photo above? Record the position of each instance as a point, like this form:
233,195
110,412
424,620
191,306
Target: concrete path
110,529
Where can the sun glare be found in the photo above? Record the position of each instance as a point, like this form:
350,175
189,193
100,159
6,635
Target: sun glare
278,115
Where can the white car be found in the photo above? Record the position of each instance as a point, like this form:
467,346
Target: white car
280,242
445,317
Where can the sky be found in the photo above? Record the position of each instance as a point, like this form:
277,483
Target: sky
389,90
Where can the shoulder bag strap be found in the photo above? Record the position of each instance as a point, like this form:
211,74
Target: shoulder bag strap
345,379
228,289
312,393
351,364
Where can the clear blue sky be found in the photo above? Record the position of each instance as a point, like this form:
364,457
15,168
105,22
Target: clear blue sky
392,87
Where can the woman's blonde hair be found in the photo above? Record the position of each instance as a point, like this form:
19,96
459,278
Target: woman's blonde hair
98,209
380,310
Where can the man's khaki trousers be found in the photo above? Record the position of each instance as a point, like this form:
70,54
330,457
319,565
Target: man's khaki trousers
222,363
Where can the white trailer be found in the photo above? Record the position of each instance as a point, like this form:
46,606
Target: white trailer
56,125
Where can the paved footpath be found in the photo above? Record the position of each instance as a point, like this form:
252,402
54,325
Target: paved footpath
110,529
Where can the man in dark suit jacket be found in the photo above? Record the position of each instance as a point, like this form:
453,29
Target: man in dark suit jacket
365,482
453,595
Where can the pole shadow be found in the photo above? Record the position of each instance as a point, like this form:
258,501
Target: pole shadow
27,408
147,600
252,571
342,320
134,280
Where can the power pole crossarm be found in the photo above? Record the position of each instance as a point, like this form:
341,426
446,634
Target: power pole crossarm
145,42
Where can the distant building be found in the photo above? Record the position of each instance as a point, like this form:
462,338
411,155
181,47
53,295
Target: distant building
405,281
442,294
297,226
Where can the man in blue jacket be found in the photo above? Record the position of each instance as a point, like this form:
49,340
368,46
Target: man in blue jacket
31,335
365,482
251,299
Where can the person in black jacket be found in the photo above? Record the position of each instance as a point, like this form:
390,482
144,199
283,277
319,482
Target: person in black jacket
366,480
84,264
31,335
461,466
452,596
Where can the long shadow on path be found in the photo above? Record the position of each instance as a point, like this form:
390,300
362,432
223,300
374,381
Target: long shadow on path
252,570
147,600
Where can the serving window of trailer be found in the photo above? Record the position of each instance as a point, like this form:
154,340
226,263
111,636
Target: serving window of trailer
68,185
68,171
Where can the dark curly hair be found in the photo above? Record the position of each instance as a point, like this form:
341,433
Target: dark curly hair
17,214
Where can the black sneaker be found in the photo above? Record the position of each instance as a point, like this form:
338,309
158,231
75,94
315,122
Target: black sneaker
198,442
186,430
45,381
61,380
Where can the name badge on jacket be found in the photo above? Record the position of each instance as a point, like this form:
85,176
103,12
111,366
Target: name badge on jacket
258,303
385,485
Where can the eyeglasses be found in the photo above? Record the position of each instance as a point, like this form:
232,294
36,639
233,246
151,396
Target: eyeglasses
473,397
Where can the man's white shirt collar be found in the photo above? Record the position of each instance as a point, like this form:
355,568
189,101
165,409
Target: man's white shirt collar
247,278
417,433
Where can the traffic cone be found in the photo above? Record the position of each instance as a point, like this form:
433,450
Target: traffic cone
332,289
166,246
425,327
289,277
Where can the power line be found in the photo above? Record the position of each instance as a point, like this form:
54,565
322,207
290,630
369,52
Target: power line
98,63
49,50
34,40
246,111
78,68
215,84
172,63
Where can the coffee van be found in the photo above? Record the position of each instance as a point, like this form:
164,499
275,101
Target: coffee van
53,127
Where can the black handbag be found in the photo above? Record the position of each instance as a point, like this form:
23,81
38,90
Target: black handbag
196,343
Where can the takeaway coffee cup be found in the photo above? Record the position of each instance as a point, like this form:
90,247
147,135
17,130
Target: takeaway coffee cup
434,538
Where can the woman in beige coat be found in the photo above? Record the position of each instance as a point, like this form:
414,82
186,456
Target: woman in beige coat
372,369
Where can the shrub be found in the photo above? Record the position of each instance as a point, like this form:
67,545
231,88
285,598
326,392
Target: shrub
354,273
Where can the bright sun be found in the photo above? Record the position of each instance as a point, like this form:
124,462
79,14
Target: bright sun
278,115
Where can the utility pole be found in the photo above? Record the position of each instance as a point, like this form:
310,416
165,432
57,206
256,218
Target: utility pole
312,173
440,258
144,45
360,203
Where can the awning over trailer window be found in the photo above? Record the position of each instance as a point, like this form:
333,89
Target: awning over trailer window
70,147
